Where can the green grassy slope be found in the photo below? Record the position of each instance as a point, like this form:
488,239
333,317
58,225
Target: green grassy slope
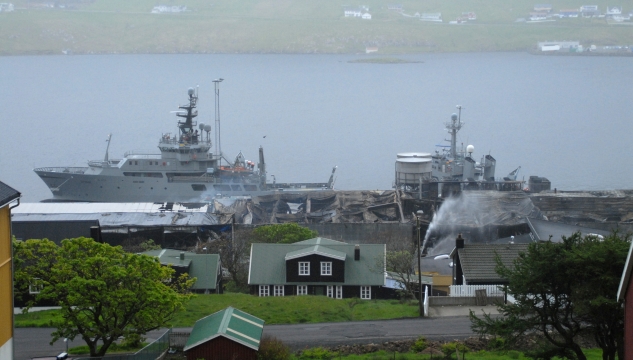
274,310
285,26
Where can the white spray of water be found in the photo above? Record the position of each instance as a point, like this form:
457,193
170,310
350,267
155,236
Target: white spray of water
453,211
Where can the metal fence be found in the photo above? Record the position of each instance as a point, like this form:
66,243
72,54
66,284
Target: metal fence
469,290
151,352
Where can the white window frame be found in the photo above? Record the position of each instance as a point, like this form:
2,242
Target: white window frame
264,290
339,291
302,289
365,292
326,268
329,292
36,286
278,290
304,268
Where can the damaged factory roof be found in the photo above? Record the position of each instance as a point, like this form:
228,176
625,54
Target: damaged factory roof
117,214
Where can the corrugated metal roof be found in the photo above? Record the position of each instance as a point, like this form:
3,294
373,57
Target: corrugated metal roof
93,208
204,267
231,323
544,230
118,219
268,262
7,194
478,260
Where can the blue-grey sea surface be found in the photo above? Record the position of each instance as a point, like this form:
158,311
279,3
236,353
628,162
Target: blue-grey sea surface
566,118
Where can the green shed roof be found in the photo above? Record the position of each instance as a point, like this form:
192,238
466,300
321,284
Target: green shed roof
268,261
231,323
204,267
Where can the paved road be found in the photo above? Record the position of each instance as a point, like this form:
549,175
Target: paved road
34,342
330,334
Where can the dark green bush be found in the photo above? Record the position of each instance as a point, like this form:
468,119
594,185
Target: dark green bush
452,347
419,345
271,348
319,353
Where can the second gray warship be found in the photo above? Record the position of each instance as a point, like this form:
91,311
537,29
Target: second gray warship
450,170
185,170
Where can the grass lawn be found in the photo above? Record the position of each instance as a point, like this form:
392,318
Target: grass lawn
273,26
295,309
274,310
592,354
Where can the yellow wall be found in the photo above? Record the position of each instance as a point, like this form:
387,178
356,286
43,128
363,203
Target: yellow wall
440,282
6,281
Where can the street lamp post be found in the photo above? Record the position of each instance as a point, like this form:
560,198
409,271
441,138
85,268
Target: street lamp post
206,269
218,145
417,223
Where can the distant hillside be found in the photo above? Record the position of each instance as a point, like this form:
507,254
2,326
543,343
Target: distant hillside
285,26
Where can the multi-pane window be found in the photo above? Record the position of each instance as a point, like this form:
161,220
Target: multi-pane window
36,286
326,268
304,268
279,290
264,290
302,289
339,292
330,291
365,292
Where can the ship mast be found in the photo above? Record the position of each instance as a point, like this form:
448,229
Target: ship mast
186,127
453,127
105,159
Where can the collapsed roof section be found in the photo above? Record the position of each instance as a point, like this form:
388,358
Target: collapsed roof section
470,208
315,207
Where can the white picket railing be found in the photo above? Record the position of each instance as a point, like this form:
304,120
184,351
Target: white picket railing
469,290
426,301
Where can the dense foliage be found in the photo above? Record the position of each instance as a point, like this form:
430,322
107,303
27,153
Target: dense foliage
564,291
104,292
282,233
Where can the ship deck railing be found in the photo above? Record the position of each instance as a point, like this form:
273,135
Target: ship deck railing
211,179
175,141
142,152
99,163
282,186
63,169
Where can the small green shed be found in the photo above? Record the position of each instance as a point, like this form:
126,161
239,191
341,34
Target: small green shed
229,334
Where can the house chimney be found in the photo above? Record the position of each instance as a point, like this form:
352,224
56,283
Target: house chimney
357,252
95,233
459,242
182,255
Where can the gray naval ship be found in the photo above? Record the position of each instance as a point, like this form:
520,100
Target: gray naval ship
450,169
185,170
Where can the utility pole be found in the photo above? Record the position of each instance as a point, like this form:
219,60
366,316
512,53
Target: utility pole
218,146
417,224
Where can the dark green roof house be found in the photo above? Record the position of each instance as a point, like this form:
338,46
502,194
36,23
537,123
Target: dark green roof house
206,268
318,266
228,334
474,264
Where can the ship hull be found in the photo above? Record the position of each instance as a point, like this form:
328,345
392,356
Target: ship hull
78,186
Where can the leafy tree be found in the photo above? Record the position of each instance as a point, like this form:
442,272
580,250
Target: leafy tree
104,292
234,253
401,263
282,233
563,290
